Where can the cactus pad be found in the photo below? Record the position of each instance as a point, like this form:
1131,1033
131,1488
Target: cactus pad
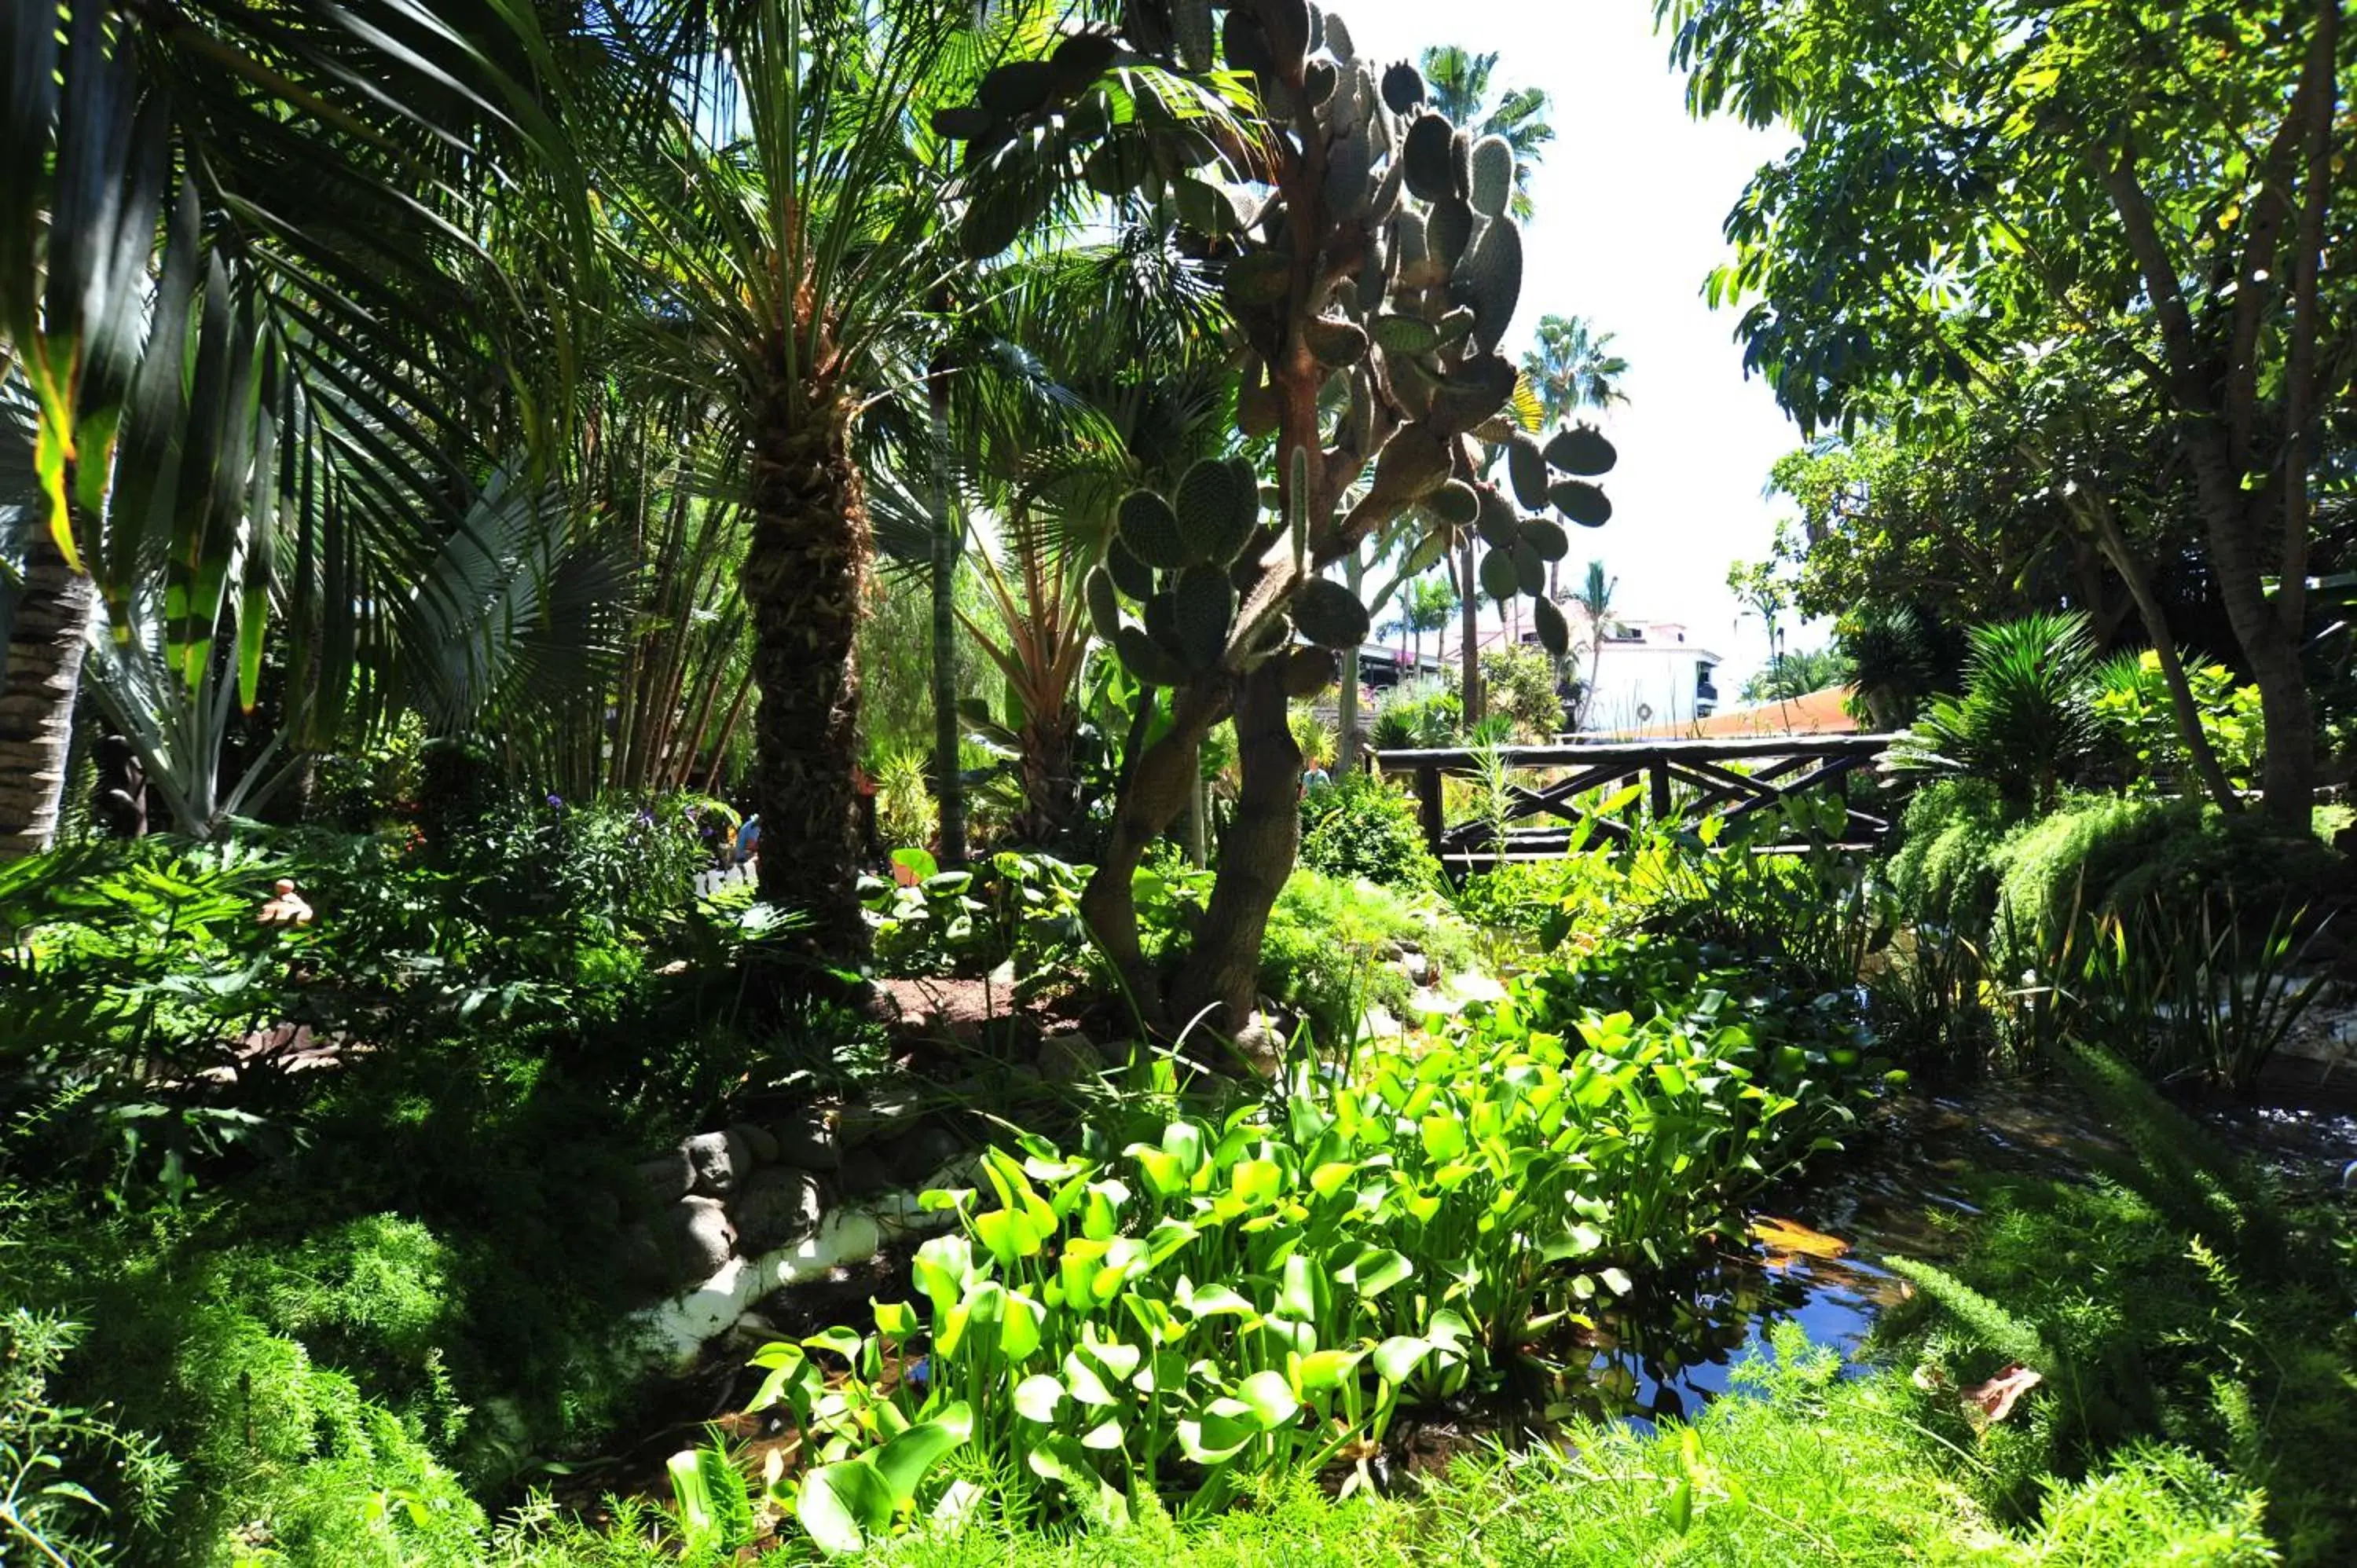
1546,540
1205,605
1150,529
1145,661
1335,341
1583,450
1216,510
1491,274
1431,175
1104,603
1492,185
1330,614
1309,670
1498,578
1527,467
1402,88
1555,633
1130,575
1456,503
1581,502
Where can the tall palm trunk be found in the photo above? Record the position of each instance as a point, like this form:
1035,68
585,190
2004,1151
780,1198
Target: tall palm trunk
1469,596
37,686
803,573
948,784
1346,700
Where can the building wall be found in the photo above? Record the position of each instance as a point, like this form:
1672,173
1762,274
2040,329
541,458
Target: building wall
1641,685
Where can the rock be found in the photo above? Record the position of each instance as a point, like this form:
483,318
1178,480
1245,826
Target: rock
598,1209
864,1173
923,1152
696,1239
760,1140
721,1161
885,1114
1394,952
639,1259
663,1180
778,1205
811,1138
1070,1059
1417,967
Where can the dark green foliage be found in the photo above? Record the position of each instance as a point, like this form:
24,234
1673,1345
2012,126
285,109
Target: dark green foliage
1945,871
1362,828
2026,721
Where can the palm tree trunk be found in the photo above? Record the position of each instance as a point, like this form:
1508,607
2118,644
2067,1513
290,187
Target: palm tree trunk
803,574
1346,701
1468,596
948,783
38,681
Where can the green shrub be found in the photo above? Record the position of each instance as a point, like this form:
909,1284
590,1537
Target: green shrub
1945,870
1325,951
1360,827
1519,682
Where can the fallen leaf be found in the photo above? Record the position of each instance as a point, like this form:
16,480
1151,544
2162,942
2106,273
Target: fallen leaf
1995,1397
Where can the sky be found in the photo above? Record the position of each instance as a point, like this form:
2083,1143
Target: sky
1630,199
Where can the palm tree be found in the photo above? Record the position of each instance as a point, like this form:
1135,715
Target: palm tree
1459,85
784,224
1574,367
267,357
1595,601
1430,602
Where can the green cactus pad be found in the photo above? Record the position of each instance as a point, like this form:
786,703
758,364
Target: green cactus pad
1555,633
1498,578
1257,411
1216,512
1455,324
1150,529
1493,176
1582,450
1410,243
1274,634
1016,88
1405,334
1104,603
1581,502
1262,277
1456,503
1546,540
1335,341
1527,467
1145,661
1131,575
1492,276
1286,25
1529,570
1245,45
1498,527
1475,390
1339,42
1309,670
1450,230
1402,88
1412,464
1430,174
1330,614
1162,621
1205,609
962,123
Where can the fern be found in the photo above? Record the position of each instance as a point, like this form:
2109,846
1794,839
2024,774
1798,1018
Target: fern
2011,1336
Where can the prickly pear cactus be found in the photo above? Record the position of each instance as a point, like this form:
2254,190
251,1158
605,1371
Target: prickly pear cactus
1371,263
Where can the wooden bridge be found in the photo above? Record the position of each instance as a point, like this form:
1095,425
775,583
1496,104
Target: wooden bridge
1681,780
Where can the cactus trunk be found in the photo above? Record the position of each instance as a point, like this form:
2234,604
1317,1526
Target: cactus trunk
802,576
1221,982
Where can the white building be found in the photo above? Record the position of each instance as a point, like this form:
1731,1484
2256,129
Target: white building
1646,675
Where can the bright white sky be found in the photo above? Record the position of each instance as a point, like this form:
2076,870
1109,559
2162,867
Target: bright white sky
1629,200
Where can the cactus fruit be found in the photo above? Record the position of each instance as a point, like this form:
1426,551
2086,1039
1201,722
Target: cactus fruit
1493,176
1130,575
1145,661
1491,278
1555,634
1581,502
1583,450
1456,503
1335,341
1430,174
1150,529
1309,670
1405,334
1205,606
1546,540
1104,603
1402,88
1527,467
1330,614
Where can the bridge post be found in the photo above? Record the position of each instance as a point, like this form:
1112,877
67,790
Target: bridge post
1428,802
1660,770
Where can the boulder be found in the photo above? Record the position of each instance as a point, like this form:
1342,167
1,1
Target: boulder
924,1152
696,1240
812,1137
759,1141
663,1181
778,1205
1070,1059
721,1160
865,1173
887,1113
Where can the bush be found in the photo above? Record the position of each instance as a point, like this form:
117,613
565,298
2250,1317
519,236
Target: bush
1325,951
1519,682
1360,827
1945,870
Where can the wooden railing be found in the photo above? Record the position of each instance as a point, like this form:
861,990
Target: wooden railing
1792,765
